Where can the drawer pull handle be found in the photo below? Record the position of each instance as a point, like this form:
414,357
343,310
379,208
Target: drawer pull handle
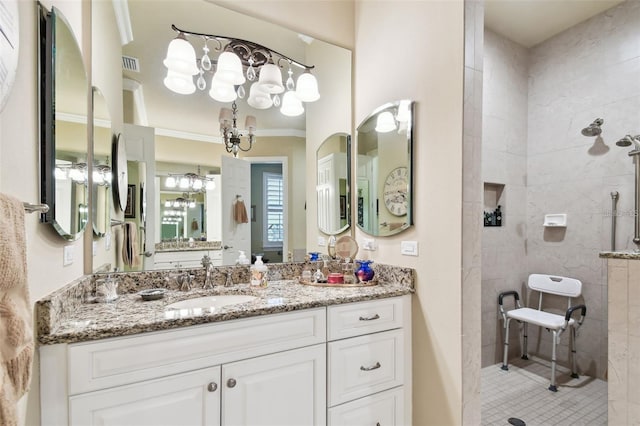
212,387
231,383
373,367
371,318
378,424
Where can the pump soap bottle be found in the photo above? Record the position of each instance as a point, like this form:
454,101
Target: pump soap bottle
259,273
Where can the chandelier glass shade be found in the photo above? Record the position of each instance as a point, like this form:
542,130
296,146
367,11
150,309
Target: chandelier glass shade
76,172
239,61
181,203
190,182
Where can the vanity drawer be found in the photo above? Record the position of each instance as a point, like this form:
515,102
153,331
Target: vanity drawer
356,319
113,362
363,365
384,408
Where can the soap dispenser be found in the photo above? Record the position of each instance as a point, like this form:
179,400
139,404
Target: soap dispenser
259,273
242,258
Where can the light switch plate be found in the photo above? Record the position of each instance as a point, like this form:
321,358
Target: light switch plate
107,242
322,241
67,255
409,248
95,248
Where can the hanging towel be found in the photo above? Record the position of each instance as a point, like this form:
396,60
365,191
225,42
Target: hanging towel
240,212
130,251
16,335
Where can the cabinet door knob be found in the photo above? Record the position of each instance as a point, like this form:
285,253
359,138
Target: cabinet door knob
373,367
371,318
231,383
212,387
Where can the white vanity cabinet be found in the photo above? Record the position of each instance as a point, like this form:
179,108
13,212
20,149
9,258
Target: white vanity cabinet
369,362
185,258
347,364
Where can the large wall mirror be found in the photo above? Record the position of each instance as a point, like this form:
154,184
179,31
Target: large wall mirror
334,176
384,170
102,172
63,126
187,135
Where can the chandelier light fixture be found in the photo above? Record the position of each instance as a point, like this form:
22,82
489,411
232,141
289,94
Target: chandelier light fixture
239,61
190,182
102,175
231,135
181,203
76,172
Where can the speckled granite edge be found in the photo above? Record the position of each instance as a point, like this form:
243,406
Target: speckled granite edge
62,305
630,255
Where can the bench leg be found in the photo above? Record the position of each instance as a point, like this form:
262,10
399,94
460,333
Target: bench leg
505,365
574,369
552,386
525,350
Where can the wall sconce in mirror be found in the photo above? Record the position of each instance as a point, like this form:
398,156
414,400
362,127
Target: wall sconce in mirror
63,125
226,83
231,135
190,182
385,168
180,203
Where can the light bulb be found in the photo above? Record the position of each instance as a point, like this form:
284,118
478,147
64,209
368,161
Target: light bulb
181,57
385,122
258,97
229,69
271,79
222,91
179,83
170,182
307,88
184,183
291,105
167,203
197,185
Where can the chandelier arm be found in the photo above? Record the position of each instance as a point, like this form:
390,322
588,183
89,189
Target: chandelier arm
247,42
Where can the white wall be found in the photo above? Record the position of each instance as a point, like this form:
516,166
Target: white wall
422,59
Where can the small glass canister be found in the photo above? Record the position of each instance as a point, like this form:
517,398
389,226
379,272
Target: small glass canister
106,290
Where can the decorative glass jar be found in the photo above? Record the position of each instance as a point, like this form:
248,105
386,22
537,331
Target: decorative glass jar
364,272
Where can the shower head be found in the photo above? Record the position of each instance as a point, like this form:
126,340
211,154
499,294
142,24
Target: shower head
593,129
625,141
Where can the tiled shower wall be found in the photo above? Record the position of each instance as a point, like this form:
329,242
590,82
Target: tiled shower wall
591,70
504,162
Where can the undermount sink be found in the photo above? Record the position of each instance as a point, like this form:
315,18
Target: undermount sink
211,301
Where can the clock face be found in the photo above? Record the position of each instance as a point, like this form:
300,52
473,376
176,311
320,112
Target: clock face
396,188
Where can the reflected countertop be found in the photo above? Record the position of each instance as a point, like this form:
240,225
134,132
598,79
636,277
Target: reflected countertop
129,314
628,255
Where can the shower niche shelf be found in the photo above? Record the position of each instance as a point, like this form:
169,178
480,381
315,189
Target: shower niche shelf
556,220
493,204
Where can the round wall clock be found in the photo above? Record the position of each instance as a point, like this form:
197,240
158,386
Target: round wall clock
395,194
9,46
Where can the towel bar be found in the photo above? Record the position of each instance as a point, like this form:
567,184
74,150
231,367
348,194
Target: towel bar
31,208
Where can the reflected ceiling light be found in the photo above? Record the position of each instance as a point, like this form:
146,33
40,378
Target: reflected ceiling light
190,182
181,203
385,122
102,175
231,135
239,61
77,172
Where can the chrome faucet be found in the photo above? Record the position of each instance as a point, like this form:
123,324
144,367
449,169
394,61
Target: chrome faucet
208,272
229,281
184,281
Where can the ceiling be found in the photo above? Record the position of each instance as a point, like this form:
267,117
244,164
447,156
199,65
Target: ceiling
530,22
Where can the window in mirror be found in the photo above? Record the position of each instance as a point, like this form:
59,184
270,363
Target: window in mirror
102,176
384,170
63,126
334,176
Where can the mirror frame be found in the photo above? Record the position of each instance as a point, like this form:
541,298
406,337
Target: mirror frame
348,188
120,175
48,20
409,165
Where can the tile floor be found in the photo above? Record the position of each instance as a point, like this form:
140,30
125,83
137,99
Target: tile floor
522,393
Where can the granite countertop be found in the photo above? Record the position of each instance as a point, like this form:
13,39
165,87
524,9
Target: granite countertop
129,314
630,255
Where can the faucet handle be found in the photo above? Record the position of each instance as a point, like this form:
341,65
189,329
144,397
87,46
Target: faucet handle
229,281
206,261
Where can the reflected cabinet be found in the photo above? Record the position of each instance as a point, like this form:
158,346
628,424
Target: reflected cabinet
384,170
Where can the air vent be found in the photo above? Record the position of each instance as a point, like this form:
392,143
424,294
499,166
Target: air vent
129,63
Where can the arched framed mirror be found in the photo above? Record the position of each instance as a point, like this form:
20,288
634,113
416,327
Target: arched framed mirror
384,164
333,159
102,172
63,126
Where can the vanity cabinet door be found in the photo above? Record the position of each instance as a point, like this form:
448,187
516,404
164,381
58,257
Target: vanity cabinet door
287,388
381,409
183,399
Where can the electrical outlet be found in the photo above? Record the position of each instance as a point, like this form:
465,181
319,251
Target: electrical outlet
409,248
67,255
369,244
322,241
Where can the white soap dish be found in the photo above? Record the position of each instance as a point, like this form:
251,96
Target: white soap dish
555,220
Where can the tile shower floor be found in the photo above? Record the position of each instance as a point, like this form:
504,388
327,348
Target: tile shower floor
522,393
